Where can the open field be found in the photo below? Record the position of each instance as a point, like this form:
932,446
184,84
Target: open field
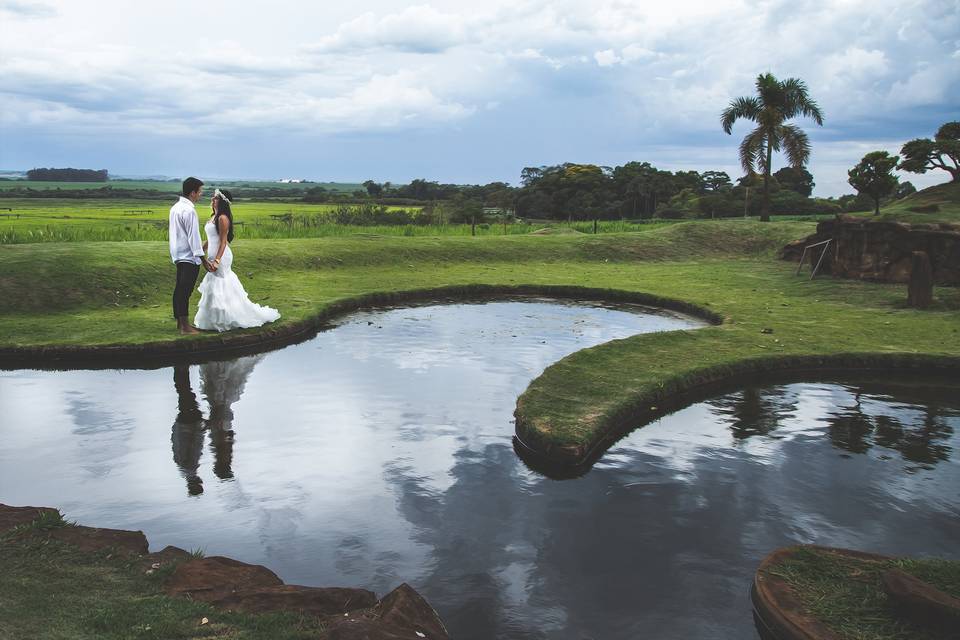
36,220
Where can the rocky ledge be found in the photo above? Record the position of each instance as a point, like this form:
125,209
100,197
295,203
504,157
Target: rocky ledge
881,250
347,614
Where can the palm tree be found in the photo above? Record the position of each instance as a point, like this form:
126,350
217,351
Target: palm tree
775,103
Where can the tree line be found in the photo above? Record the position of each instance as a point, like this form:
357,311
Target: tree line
68,175
873,176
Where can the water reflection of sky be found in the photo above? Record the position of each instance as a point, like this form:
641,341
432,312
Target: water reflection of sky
380,452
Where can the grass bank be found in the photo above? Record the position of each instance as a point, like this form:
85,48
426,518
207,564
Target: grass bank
118,293
940,203
105,595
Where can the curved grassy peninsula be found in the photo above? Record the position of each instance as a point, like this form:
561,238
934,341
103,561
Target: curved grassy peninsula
66,299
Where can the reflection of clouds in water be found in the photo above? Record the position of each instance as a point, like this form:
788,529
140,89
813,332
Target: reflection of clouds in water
102,435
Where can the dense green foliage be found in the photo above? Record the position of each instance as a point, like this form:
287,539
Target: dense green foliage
873,176
67,175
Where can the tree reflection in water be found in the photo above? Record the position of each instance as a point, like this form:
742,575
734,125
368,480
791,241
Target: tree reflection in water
860,417
222,384
755,411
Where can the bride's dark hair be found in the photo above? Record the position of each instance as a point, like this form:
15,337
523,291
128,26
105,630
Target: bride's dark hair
223,209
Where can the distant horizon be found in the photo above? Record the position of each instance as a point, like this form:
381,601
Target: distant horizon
4,173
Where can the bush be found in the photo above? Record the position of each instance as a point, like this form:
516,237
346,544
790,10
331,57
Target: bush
669,213
373,214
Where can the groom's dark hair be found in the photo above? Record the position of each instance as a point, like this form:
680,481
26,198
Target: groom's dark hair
190,185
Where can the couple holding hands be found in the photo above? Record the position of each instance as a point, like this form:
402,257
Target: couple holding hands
224,303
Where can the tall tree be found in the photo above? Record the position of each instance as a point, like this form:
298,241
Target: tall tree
715,181
775,103
375,190
873,176
943,152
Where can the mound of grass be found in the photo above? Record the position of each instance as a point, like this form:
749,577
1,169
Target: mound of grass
936,204
846,593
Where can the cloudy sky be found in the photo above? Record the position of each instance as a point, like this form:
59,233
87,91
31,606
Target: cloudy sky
457,91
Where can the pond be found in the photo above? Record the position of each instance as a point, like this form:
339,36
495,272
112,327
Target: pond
380,451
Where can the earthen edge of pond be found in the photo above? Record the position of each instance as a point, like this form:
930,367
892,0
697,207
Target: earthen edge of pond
778,611
228,584
218,346
567,461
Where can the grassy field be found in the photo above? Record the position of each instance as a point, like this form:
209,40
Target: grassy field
53,220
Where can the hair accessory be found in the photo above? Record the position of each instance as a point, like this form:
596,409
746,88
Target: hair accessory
219,194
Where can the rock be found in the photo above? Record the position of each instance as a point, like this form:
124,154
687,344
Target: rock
920,289
882,251
366,629
405,608
166,556
216,578
316,601
93,539
921,601
11,517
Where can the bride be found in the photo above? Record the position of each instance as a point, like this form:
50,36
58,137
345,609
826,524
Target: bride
224,303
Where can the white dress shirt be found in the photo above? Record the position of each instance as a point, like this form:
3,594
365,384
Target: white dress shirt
185,244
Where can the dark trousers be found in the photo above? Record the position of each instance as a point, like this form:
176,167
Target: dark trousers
187,273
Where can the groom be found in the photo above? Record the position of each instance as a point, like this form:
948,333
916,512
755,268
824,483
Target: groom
186,251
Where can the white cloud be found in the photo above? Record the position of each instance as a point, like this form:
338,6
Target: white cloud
607,58
418,29
384,67
27,9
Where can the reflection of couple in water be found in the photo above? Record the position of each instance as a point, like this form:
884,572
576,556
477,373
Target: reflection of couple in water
221,384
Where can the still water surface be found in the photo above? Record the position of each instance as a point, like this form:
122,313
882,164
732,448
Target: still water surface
380,452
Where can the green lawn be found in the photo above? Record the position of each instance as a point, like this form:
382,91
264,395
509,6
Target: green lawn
118,293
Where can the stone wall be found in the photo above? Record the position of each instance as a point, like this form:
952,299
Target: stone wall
882,251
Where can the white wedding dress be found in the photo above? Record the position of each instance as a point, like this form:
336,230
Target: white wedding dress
224,303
